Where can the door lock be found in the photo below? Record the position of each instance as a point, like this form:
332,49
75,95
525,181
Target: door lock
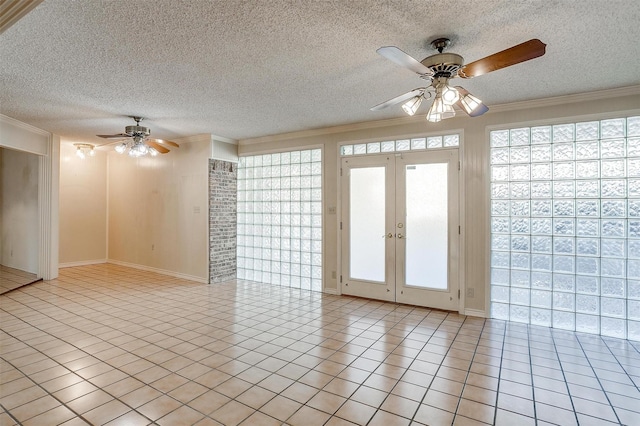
400,236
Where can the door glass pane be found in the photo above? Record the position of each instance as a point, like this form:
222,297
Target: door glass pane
426,226
366,224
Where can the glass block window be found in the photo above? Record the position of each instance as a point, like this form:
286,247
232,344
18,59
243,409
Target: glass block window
415,144
565,226
280,219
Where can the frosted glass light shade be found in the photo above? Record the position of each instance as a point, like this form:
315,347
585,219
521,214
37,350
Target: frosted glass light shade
450,95
138,150
470,103
120,149
412,105
440,111
433,116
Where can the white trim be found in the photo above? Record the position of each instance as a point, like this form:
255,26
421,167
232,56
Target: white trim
82,263
20,141
487,240
330,291
205,137
216,138
338,221
475,313
107,206
159,271
535,103
49,211
23,137
462,219
567,99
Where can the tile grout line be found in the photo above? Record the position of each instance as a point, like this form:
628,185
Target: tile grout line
595,374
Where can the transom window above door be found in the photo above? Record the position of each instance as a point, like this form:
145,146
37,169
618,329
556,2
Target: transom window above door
401,145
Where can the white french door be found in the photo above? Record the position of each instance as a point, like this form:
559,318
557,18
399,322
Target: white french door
400,228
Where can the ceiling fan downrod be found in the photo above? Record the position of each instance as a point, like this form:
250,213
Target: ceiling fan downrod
440,44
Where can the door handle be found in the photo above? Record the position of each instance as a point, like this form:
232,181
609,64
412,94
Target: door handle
389,235
400,236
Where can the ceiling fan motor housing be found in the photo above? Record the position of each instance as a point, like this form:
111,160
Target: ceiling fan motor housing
137,131
443,64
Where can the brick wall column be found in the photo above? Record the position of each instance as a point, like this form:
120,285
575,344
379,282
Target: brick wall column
222,220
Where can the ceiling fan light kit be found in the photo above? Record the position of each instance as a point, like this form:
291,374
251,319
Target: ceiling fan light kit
139,143
440,68
84,149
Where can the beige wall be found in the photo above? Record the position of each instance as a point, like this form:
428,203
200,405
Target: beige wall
475,166
158,210
83,207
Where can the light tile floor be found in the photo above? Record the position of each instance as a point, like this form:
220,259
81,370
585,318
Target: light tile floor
11,278
105,344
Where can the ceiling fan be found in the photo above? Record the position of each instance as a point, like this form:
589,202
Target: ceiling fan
137,141
440,68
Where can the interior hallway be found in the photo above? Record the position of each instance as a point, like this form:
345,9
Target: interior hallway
104,344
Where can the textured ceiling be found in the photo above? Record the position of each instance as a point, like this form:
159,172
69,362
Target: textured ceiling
244,69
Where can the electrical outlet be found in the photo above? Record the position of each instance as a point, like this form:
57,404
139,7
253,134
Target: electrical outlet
470,293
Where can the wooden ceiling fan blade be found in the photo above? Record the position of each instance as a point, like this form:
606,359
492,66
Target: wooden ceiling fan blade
396,55
161,149
162,141
514,55
398,99
116,136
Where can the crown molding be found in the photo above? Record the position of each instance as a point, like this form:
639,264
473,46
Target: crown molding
22,125
567,99
534,103
329,130
206,137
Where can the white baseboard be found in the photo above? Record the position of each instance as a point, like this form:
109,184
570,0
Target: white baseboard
330,291
475,313
160,271
82,263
